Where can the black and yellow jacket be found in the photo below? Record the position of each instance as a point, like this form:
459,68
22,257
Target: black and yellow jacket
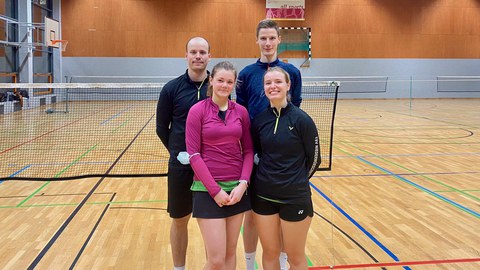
287,144
176,99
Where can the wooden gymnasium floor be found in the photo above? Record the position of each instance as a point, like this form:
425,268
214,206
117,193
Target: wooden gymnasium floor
403,193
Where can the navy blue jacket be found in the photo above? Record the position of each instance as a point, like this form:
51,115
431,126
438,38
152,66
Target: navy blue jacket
249,89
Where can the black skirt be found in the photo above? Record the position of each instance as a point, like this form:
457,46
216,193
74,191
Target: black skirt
204,206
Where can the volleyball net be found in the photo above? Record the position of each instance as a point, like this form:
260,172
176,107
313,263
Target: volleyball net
79,130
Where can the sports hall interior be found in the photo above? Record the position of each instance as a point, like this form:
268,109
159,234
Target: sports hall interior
402,185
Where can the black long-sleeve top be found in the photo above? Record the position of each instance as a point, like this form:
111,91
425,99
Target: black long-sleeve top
176,99
289,151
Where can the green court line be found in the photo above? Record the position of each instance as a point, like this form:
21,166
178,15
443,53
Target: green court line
75,161
421,175
308,261
33,194
57,175
75,204
464,190
121,125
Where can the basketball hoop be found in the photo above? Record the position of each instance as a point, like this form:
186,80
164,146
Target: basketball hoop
63,43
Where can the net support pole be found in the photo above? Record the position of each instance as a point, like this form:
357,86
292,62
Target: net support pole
66,100
411,83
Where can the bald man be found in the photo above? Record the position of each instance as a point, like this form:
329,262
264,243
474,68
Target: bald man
176,99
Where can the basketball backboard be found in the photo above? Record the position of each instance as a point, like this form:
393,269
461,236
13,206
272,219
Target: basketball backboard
52,32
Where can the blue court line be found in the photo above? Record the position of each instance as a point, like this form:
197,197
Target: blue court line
17,172
381,174
114,116
384,248
410,170
421,188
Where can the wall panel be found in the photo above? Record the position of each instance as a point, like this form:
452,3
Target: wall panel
340,28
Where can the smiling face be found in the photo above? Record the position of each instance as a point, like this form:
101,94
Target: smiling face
222,83
197,54
276,84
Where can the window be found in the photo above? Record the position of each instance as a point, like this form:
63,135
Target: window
42,56
8,33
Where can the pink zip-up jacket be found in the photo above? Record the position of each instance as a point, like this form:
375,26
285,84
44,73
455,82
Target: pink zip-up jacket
219,150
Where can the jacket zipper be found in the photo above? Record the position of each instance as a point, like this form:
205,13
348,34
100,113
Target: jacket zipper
276,121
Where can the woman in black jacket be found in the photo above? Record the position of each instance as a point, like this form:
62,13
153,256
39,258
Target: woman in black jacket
286,141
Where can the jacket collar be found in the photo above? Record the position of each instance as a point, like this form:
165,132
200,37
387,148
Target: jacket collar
231,104
283,111
192,82
266,65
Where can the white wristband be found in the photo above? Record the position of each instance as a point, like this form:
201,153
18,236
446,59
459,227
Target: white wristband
243,181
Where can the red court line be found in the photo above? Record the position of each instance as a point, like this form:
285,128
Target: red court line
44,134
367,265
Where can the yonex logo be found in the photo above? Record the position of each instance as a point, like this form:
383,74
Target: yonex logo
300,212
289,127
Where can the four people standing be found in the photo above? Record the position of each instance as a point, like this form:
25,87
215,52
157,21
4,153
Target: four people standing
217,139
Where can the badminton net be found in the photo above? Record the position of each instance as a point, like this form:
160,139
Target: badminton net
78,130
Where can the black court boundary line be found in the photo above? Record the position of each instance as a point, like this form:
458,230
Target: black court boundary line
106,175
91,233
82,203
349,237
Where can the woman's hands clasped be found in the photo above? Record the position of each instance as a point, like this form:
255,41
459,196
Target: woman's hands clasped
222,198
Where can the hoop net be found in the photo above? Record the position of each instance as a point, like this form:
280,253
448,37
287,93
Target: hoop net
63,44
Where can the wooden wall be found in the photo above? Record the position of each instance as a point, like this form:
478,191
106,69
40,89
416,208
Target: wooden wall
340,28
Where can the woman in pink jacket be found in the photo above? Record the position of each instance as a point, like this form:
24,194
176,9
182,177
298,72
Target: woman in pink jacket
220,151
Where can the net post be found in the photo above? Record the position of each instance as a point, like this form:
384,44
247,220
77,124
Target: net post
411,82
66,100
